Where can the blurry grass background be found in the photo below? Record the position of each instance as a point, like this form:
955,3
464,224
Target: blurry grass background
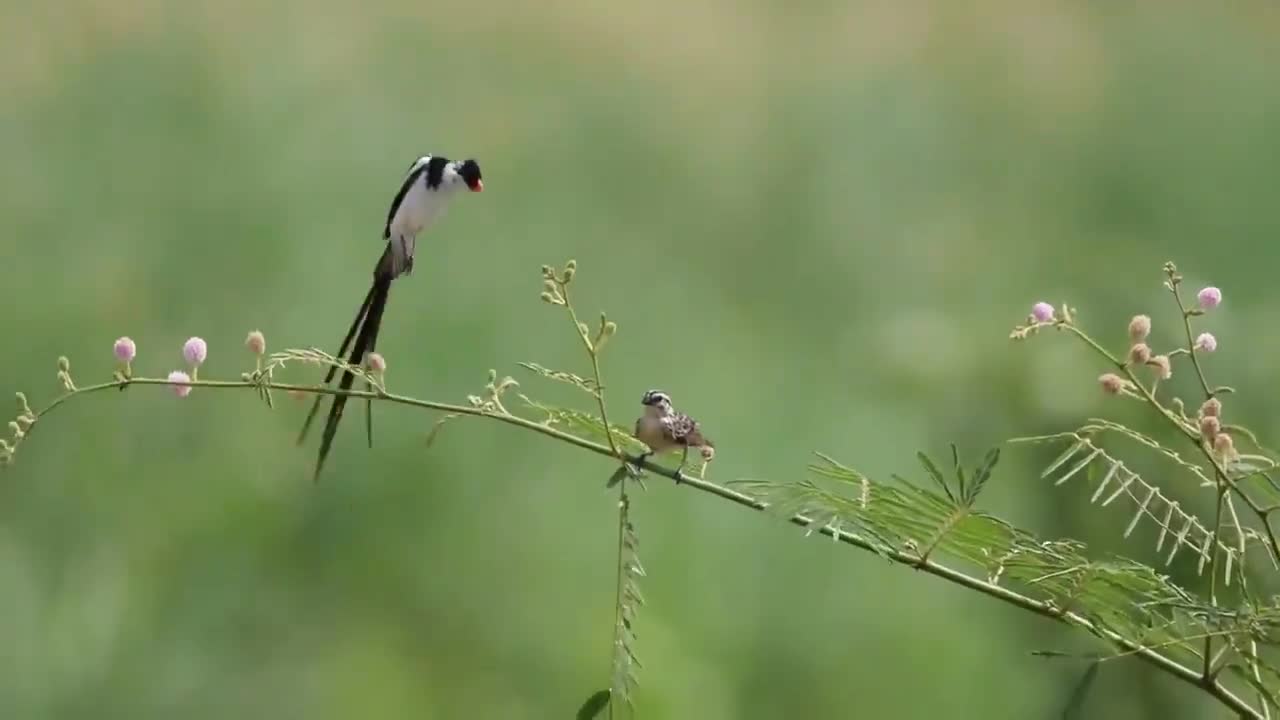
815,224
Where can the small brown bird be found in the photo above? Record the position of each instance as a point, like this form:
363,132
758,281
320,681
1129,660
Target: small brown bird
662,429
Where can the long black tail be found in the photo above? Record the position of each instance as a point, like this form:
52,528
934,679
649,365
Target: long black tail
364,329
333,369
368,334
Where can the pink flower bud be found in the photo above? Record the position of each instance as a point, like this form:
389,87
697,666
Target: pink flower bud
1111,383
256,342
177,376
1225,447
1042,312
1206,342
1210,425
1209,297
1139,354
377,363
125,350
195,351
1139,328
1164,369
1211,408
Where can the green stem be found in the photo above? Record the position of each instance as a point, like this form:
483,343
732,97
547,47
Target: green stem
624,506
1191,342
624,501
1192,435
1005,595
598,392
1219,475
322,390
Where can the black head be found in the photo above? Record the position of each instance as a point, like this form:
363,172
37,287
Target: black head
655,398
469,171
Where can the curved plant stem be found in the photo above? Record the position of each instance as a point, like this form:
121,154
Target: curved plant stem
1219,471
1146,654
619,650
594,353
1191,341
1175,282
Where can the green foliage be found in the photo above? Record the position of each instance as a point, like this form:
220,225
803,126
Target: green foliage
829,230
593,705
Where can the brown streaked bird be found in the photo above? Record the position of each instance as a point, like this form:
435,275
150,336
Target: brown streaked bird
662,429
432,180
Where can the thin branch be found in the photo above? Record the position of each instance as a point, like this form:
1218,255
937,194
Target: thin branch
1174,282
1191,676
323,390
1182,428
593,352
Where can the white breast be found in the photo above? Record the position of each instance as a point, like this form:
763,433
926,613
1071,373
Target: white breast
420,208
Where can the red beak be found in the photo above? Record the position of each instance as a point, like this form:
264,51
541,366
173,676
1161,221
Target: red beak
479,186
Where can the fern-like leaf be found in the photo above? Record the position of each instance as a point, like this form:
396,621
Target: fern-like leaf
1114,598
629,599
1177,527
585,425
585,384
593,705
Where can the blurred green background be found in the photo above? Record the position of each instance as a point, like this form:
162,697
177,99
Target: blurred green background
815,224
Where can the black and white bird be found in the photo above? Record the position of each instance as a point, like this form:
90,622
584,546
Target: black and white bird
662,429
430,184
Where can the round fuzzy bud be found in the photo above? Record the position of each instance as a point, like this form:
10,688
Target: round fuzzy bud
1139,354
1210,426
610,328
1224,446
1209,297
1206,342
1164,369
256,342
1139,328
1111,383
194,351
1211,408
548,298
64,365
1042,312
377,363
125,350
177,376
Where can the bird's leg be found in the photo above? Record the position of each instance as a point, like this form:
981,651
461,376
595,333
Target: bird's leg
407,254
640,461
684,458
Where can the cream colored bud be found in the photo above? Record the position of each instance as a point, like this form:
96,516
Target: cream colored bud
1224,446
1210,426
1139,354
256,342
1164,370
1111,383
1139,328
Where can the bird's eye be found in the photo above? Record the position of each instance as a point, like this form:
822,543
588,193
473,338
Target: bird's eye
654,397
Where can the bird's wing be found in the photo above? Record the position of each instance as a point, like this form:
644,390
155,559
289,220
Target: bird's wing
415,171
681,427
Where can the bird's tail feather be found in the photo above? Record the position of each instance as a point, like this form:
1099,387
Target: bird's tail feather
333,369
368,403
368,334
